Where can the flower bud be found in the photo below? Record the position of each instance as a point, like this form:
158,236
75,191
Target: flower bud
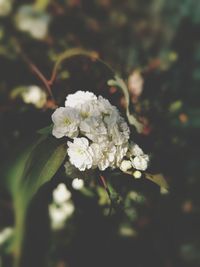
125,165
140,162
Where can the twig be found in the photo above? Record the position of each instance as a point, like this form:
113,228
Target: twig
34,69
38,73
108,192
69,54
105,186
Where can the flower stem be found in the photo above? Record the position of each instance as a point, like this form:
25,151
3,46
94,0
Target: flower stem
105,186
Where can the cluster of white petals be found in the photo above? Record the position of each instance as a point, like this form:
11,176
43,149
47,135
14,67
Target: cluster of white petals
33,21
34,95
138,158
77,184
61,208
99,135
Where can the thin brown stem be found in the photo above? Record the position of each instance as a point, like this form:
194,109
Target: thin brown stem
34,69
105,186
39,74
73,53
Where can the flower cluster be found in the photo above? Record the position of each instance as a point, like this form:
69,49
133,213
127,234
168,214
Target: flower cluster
100,135
61,208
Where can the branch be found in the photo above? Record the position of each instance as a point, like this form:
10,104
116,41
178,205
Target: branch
34,69
105,186
39,74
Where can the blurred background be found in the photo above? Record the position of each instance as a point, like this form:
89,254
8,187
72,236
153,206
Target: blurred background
155,47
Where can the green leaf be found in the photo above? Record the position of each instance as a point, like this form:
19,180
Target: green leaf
14,168
42,164
33,168
46,130
158,179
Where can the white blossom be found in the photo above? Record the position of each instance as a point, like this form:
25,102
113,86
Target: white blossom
135,150
97,150
34,95
59,214
33,21
125,165
121,152
77,184
140,162
100,134
61,208
61,194
119,132
104,155
79,98
105,106
94,129
80,153
66,121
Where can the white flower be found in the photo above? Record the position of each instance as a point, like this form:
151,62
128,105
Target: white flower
125,165
85,103
111,117
88,110
40,29
77,184
61,208
59,214
66,121
5,7
104,155
105,107
134,150
5,234
61,194
140,162
124,129
94,129
97,153
80,153
79,98
100,134
33,21
34,95
121,152
119,132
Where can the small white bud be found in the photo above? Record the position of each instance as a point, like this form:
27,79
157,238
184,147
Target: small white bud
125,165
137,174
77,184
